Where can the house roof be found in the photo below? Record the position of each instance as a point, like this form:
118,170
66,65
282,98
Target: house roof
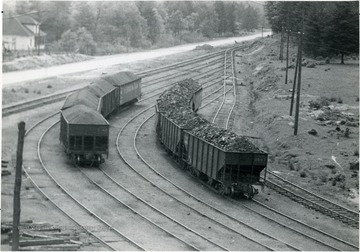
12,26
80,114
121,78
27,20
16,26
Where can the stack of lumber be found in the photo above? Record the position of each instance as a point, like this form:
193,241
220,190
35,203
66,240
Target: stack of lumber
43,237
4,170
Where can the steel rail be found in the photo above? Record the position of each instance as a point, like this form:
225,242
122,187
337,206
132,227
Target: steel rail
312,204
13,108
52,201
234,85
131,167
135,211
315,195
78,202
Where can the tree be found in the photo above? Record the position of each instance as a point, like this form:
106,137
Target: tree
84,41
250,20
56,20
68,41
175,22
343,33
83,16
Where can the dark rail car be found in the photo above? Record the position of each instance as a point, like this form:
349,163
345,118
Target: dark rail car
84,134
230,172
84,131
129,86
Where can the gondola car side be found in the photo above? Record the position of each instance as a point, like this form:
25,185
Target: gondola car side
129,86
85,134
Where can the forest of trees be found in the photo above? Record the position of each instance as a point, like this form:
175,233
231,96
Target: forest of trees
330,28
105,27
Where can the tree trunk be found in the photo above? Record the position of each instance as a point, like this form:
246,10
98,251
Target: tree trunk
342,58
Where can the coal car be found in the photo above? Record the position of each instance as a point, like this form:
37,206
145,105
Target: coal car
85,134
84,130
230,171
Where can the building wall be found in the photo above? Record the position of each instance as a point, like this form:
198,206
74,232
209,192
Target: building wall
16,43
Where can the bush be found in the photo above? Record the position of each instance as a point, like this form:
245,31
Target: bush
333,99
26,91
340,100
319,103
303,174
357,98
49,86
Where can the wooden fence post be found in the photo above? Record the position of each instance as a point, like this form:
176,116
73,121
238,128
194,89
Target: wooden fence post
17,188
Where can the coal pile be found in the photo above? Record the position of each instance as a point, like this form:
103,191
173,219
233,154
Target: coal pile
174,104
224,139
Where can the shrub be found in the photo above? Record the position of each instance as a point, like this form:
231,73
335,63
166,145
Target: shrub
303,174
356,152
26,91
13,90
357,98
323,178
333,99
340,100
49,86
319,103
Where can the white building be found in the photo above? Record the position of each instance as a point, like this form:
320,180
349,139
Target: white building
22,33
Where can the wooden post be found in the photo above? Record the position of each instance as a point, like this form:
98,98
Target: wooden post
17,189
287,47
294,84
299,79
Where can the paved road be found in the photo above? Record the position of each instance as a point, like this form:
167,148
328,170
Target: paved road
105,61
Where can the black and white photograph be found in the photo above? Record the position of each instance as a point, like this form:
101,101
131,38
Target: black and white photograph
180,125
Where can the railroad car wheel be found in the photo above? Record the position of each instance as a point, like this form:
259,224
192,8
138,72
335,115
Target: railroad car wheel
249,193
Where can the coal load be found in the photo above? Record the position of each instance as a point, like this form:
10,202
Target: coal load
174,104
224,139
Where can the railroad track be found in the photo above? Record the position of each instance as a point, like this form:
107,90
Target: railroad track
48,186
199,200
312,200
62,191
26,105
224,111
215,93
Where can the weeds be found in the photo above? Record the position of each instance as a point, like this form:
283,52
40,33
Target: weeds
333,99
13,90
26,91
340,100
303,174
356,152
49,86
319,103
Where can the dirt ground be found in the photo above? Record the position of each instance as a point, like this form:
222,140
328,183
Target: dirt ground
323,157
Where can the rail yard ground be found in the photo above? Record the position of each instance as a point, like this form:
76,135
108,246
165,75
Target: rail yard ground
323,157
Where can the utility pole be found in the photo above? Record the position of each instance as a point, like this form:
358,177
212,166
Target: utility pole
281,57
17,188
294,84
299,81
287,47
